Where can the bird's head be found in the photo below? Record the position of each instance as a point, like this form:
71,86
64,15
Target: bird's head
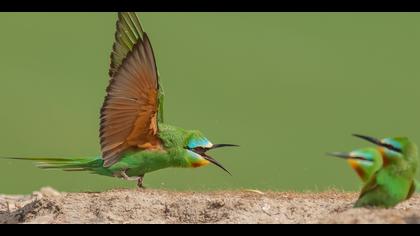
364,161
197,145
393,149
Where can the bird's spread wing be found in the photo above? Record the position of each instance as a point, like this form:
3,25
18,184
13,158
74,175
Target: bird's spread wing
130,110
129,32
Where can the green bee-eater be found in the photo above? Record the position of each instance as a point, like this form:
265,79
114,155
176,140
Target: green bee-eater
134,140
365,162
395,181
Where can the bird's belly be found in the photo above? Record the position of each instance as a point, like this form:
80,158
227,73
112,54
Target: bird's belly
139,163
397,189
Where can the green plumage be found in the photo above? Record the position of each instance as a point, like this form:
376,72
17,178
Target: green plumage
365,161
134,140
395,181
386,189
134,163
387,171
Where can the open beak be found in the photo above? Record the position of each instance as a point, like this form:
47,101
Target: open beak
214,161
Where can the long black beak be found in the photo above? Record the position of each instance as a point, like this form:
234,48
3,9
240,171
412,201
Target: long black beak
378,142
345,156
212,160
369,139
223,145
340,155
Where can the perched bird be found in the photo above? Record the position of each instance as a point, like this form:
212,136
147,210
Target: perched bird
395,181
365,162
134,140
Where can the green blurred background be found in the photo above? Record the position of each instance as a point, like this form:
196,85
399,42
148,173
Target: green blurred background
287,87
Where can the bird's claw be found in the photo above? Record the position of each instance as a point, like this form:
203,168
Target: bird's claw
140,182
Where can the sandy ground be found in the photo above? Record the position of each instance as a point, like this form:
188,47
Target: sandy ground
156,206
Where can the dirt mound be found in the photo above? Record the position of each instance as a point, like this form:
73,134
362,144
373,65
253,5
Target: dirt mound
155,206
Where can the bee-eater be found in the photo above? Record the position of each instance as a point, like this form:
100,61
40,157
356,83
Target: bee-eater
365,162
134,140
395,181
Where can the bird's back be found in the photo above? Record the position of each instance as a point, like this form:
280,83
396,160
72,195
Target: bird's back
171,136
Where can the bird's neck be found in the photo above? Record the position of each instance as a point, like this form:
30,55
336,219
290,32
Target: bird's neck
401,168
173,141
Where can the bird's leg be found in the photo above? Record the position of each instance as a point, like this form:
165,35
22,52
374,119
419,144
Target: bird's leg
126,177
139,179
140,182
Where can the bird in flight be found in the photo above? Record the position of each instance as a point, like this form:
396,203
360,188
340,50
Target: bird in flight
133,136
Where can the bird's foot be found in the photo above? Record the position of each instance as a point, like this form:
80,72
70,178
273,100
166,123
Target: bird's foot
140,180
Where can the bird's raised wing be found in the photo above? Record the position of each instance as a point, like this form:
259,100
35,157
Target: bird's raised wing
129,113
129,32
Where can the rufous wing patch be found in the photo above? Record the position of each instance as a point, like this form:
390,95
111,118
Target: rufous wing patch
129,112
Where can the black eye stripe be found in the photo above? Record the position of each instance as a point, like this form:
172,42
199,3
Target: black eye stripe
360,158
200,150
197,149
390,147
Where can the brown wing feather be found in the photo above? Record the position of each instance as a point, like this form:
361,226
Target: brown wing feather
129,112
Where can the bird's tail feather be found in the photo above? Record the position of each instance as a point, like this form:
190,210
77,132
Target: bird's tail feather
67,164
